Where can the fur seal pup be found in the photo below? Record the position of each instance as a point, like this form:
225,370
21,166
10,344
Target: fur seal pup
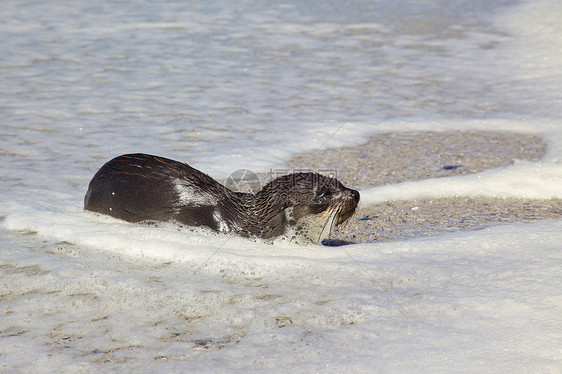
141,187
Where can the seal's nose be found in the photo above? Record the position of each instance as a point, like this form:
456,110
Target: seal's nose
355,195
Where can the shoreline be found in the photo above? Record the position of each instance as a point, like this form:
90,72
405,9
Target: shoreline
392,158
409,219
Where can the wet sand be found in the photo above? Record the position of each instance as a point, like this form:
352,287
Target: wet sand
410,219
398,157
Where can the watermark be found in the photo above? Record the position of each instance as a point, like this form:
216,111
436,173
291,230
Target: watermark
276,173
243,180
247,181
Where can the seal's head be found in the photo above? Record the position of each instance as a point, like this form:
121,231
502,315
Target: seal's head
304,206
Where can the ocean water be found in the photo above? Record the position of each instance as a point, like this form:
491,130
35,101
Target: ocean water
230,85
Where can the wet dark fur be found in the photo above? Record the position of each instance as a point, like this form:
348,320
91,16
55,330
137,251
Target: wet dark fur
140,187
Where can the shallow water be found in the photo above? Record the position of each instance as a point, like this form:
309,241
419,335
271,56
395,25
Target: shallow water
108,79
226,86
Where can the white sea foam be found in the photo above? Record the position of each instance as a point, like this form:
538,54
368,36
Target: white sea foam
525,179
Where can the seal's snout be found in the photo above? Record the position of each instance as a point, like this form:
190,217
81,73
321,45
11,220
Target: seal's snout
355,195
351,197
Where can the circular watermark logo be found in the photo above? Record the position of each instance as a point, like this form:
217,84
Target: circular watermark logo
243,180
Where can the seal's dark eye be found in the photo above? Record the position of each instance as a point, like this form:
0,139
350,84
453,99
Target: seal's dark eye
323,196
